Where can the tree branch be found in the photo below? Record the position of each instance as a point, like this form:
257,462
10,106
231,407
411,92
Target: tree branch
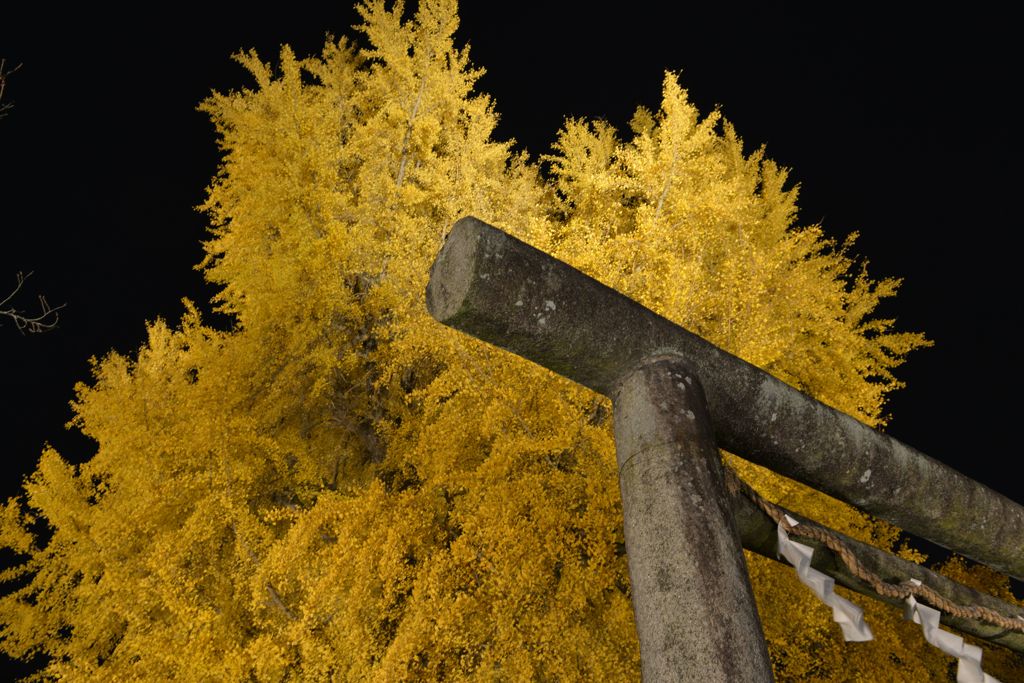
276,601
45,321
4,73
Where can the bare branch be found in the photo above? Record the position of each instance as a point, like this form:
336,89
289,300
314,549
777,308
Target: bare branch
44,321
276,601
4,73
47,318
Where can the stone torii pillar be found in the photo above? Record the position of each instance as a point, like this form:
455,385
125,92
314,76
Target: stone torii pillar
694,608
695,614
498,289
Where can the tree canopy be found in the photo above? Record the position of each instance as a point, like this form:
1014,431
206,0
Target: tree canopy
339,488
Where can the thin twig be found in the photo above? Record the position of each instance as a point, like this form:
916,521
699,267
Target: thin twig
4,73
45,321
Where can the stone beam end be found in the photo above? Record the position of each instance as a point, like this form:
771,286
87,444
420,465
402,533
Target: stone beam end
451,275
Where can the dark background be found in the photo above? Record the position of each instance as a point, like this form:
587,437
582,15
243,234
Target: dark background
896,125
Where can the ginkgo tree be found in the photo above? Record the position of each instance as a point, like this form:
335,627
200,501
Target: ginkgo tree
340,488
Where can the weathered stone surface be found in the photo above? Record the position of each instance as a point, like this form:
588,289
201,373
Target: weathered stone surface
695,614
758,533
495,287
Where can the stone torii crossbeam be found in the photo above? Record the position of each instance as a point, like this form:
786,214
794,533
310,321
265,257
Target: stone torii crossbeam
677,398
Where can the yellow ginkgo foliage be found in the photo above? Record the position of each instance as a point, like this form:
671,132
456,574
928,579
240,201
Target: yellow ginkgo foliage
339,488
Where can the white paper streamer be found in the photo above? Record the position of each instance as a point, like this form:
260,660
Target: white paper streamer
849,617
968,668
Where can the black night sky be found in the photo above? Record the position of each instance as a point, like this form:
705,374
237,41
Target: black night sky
895,125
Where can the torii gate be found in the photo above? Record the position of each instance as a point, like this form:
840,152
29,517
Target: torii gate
677,398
